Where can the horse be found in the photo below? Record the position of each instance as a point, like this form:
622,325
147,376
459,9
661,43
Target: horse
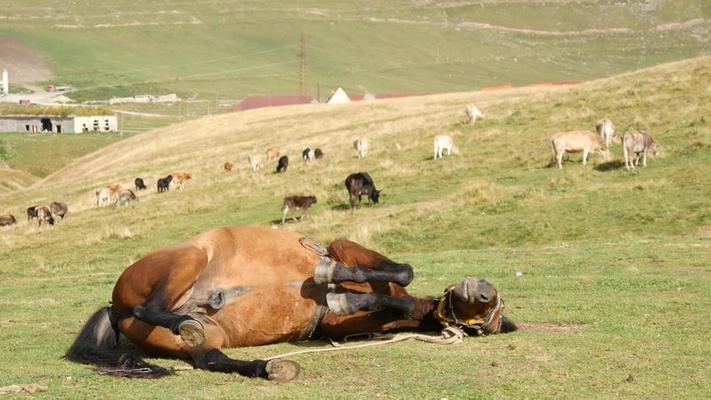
250,286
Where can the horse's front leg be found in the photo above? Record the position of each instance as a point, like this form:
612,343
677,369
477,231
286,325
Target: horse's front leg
213,359
350,303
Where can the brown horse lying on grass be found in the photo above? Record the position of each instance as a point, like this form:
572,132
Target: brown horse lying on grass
246,286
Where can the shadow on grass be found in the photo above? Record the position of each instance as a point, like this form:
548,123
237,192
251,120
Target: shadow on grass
610,166
341,207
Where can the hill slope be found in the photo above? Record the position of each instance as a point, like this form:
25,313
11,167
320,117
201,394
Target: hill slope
231,49
614,263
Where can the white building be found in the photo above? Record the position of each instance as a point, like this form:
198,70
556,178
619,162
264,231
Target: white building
339,97
4,83
95,123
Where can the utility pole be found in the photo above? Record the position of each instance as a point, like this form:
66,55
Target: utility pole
303,67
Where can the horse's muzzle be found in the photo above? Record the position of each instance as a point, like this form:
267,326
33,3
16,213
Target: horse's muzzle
472,290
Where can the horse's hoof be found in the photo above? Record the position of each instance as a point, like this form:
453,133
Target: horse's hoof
282,370
192,332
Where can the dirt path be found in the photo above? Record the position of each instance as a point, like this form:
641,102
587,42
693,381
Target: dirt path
24,64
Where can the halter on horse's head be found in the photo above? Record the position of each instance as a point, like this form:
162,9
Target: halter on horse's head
475,306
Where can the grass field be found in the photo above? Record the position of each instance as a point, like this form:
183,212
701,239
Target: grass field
615,264
230,49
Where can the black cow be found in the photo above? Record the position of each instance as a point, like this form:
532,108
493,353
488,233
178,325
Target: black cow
140,185
359,184
283,164
307,154
31,213
164,183
318,154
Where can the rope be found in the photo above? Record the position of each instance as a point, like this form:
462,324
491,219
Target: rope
449,335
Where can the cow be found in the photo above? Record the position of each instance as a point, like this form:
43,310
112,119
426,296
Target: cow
283,164
125,196
318,154
254,162
638,143
361,146
272,154
31,213
164,183
7,220
473,112
44,215
58,209
105,194
140,185
228,166
359,184
308,154
297,203
578,141
606,129
442,143
179,179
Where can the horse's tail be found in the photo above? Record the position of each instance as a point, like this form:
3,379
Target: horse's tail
96,344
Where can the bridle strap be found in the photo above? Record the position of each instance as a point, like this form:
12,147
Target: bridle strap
478,325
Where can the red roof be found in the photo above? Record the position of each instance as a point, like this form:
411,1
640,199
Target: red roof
253,102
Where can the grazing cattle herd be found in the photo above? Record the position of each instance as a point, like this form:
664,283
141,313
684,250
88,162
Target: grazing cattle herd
635,145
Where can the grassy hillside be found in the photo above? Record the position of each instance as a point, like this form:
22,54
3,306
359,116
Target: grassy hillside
229,49
614,263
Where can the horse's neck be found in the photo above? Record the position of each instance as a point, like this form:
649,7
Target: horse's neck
424,312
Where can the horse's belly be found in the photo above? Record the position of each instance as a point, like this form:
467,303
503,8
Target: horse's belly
267,315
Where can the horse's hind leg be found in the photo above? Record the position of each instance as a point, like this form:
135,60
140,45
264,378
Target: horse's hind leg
356,263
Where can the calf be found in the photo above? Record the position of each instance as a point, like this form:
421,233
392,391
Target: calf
575,142
361,146
180,178
44,215
7,220
105,194
254,162
638,143
228,166
58,209
297,203
283,164
31,213
308,154
140,185
272,154
164,183
606,129
442,143
473,112
125,196
359,184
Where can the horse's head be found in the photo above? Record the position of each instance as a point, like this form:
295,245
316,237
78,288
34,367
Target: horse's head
473,304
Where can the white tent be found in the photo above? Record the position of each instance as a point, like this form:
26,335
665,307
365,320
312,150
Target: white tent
339,97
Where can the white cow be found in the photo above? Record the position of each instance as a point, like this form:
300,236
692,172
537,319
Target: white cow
638,143
442,143
361,145
255,162
473,112
606,129
577,141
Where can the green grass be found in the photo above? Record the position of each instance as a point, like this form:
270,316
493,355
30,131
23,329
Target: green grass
40,155
619,259
231,49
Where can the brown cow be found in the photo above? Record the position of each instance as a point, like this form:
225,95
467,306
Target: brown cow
297,203
7,219
272,154
180,178
58,209
44,215
575,142
228,166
